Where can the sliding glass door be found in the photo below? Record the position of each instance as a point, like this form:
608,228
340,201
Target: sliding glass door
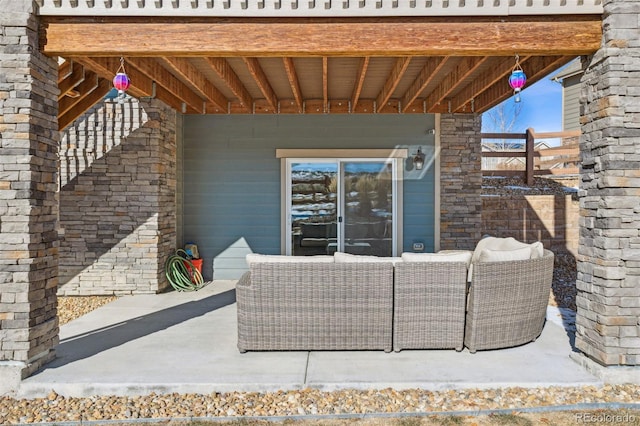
347,205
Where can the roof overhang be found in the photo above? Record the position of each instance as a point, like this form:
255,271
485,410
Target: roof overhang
316,8
329,64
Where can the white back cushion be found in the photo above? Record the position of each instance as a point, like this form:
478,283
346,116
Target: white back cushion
447,256
488,255
275,258
510,243
341,257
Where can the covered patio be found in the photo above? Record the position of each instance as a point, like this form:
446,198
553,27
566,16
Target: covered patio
186,343
193,60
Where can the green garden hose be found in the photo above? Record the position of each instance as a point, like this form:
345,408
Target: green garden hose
182,274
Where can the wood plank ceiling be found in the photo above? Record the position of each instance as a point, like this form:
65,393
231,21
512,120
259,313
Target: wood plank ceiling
309,81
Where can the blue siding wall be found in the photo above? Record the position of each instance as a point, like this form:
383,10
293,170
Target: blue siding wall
231,177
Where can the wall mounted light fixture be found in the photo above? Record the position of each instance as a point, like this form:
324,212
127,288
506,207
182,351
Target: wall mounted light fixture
418,159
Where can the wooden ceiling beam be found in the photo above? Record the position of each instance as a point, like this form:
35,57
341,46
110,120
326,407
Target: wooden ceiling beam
164,78
290,69
398,70
188,72
226,73
87,101
465,68
426,76
71,80
261,80
495,73
90,83
464,36
325,83
357,88
536,68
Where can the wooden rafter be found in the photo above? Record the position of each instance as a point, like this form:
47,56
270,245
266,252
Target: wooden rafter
398,70
357,89
89,84
226,73
64,70
290,69
463,36
464,69
325,84
263,83
188,72
168,81
495,73
427,74
535,68
87,101
68,83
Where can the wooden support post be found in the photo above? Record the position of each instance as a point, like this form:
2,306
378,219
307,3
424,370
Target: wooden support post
530,142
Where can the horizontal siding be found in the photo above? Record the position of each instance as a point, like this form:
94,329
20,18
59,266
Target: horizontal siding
231,188
571,103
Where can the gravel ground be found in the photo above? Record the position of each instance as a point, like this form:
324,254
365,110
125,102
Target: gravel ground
57,408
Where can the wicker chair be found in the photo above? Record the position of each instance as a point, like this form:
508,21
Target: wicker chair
315,306
429,305
507,302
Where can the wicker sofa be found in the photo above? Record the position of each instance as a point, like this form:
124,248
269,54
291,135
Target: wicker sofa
429,305
507,302
490,298
315,305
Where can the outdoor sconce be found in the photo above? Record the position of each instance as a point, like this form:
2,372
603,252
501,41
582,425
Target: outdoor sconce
418,159
517,79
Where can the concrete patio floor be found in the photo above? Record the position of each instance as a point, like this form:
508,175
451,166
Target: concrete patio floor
186,343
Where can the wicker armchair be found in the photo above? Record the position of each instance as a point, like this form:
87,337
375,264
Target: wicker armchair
507,302
429,305
315,306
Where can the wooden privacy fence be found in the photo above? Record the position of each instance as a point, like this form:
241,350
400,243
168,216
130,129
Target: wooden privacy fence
562,160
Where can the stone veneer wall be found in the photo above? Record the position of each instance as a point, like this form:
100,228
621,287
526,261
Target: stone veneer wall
460,181
117,199
608,300
552,219
28,167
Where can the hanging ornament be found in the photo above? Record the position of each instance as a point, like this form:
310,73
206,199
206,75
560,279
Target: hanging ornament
121,81
517,79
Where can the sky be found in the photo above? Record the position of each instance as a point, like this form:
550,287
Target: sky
541,107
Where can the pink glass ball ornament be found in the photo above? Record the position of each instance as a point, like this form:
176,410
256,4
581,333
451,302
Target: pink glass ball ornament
517,80
121,82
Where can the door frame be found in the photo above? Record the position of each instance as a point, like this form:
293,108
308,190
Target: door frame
287,156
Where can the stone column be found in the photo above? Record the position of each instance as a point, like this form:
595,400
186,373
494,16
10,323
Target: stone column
28,207
460,181
608,301
117,199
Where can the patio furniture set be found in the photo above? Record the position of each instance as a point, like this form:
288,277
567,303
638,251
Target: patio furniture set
492,297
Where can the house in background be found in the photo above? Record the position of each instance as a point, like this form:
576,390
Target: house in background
570,77
239,109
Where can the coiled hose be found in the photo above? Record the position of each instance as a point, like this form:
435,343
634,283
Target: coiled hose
182,274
